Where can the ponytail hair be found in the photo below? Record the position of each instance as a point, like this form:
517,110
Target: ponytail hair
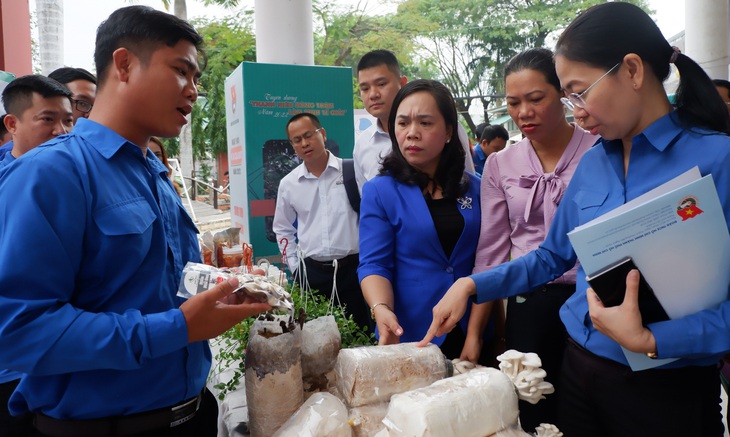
603,34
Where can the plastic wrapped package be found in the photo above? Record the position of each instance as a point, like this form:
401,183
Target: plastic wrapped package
273,374
321,342
474,404
322,415
367,420
197,278
231,256
513,431
226,239
371,374
207,249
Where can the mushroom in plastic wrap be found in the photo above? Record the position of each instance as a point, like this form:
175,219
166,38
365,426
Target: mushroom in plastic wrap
475,404
371,374
321,342
274,389
322,415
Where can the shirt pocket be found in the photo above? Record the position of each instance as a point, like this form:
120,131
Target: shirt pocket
589,204
338,201
129,217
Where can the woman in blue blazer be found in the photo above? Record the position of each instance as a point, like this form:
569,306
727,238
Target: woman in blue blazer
419,223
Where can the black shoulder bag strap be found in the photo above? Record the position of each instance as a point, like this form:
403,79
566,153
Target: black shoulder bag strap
348,178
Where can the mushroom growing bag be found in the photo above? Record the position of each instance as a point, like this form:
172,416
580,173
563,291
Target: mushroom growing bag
273,374
475,404
371,374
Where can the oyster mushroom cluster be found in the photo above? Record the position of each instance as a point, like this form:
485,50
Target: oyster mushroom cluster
265,290
525,370
547,430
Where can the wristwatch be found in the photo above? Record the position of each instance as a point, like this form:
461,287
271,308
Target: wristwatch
372,309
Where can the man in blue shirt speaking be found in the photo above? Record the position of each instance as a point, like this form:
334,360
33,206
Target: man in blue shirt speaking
94,240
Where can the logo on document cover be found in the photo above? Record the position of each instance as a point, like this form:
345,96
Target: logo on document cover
688,208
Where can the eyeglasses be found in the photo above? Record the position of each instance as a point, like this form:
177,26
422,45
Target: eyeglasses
305,136
576,100
82,105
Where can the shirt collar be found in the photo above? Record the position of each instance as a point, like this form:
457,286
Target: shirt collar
378,130
332,161
663,132
104,140
480,153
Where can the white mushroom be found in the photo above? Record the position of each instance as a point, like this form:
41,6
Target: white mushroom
526,374
547,430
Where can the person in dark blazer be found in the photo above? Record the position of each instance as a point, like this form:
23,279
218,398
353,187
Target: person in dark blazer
419,223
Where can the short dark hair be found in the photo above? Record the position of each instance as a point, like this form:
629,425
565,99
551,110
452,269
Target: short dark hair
140,29
494,131
18,94
538,59
315,120
3,128
376,58
450,171
604,34
479,129
70,74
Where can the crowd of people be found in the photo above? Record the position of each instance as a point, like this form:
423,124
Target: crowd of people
422,237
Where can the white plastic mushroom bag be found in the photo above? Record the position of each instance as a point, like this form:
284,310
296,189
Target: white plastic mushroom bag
475,404
367,420
321,343
371,374
322,415
273,374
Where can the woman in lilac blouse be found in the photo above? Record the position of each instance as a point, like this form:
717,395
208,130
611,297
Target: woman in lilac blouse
521,189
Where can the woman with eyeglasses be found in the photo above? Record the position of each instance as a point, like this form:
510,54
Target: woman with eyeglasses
611,61
521,188
419,222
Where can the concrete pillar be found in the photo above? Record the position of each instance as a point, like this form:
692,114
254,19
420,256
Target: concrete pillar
15,46
284,32
49,14
707,35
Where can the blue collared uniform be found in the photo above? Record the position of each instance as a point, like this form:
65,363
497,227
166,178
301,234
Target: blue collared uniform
94,239
5,160
5,149
479,158
661,152
399,241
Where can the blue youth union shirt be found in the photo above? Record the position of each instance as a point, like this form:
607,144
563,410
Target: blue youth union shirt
661,152
97,239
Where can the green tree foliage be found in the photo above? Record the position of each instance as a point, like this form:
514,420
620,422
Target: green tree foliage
463,43
228,42
470,41
343,34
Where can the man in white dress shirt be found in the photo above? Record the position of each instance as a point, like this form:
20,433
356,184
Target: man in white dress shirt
379,79
312,207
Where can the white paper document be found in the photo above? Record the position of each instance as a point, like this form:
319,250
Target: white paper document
678,238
